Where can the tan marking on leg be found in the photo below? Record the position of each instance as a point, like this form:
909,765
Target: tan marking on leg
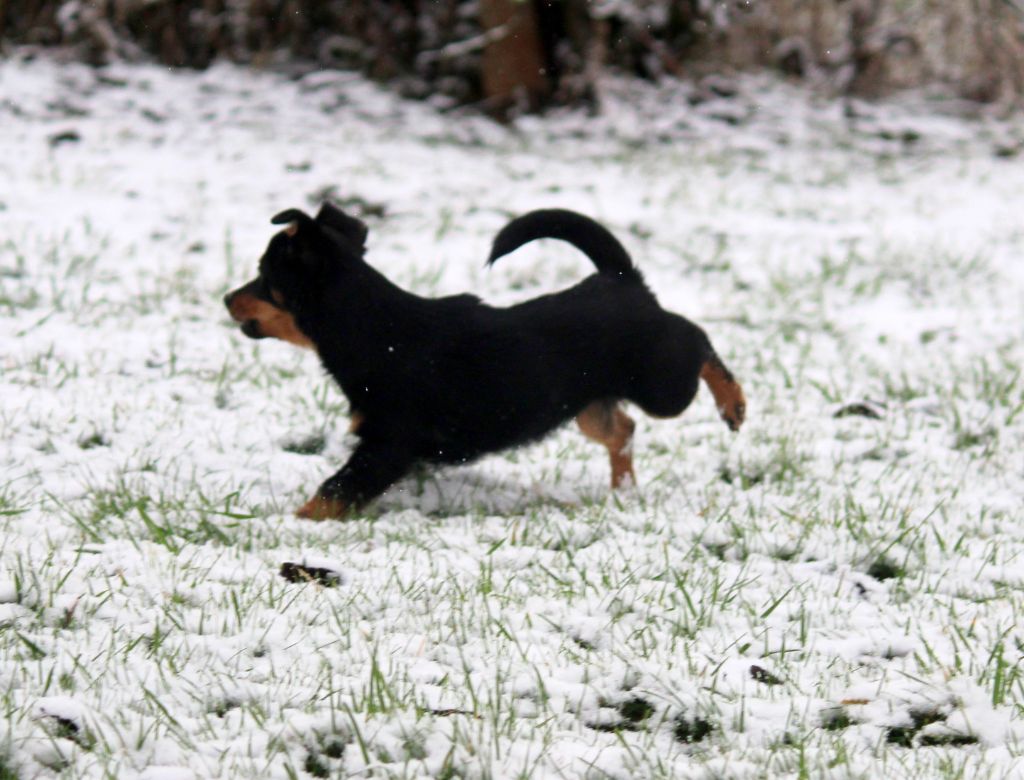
355,421
607,424
320,508
729,398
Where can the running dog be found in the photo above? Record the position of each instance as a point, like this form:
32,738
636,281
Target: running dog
446,380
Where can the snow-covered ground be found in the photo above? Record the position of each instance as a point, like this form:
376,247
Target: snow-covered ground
834,592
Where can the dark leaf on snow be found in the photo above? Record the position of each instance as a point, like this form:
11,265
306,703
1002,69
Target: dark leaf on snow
859,410
762,675
300,572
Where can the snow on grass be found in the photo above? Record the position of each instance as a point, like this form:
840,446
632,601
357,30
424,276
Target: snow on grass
834,592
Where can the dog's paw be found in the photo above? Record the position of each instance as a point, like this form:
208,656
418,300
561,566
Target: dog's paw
624,483
320,508
734,414
623,477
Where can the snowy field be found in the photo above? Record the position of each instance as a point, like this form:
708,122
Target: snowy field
836,591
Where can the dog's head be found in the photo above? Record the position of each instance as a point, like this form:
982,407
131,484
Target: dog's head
299,262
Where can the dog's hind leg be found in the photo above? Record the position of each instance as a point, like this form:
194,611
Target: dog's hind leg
373,467
667,374
606,423
729,398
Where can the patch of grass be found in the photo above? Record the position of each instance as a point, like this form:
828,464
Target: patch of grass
903,388
903,736
835,719
224,706
785,466
35,652
12,502
636,709
128,508
314,444
316,766
970,439
947,740
93,440
691,730
414,747
883,569
65,728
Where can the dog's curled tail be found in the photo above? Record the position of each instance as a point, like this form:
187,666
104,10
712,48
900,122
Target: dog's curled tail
590,237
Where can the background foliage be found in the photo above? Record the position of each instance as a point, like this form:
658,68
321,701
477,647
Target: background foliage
865,47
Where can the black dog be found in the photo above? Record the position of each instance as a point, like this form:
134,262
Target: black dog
446,380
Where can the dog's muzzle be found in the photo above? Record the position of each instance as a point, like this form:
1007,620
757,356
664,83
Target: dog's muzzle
251,328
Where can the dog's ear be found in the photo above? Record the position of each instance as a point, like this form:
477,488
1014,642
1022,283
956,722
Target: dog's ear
295,219
354,230
309,247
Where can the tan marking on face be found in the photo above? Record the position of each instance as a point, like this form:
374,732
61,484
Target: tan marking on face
292,229
282,326
272,322
320,508
729,398
607,424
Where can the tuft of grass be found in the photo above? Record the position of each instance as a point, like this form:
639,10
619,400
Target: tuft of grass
691,730
636,709
835,719
93,440
316,766
903,736
314,444
883,569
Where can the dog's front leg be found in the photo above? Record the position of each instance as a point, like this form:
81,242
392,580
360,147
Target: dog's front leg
373,467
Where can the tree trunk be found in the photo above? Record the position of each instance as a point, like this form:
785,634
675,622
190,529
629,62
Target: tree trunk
513,68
